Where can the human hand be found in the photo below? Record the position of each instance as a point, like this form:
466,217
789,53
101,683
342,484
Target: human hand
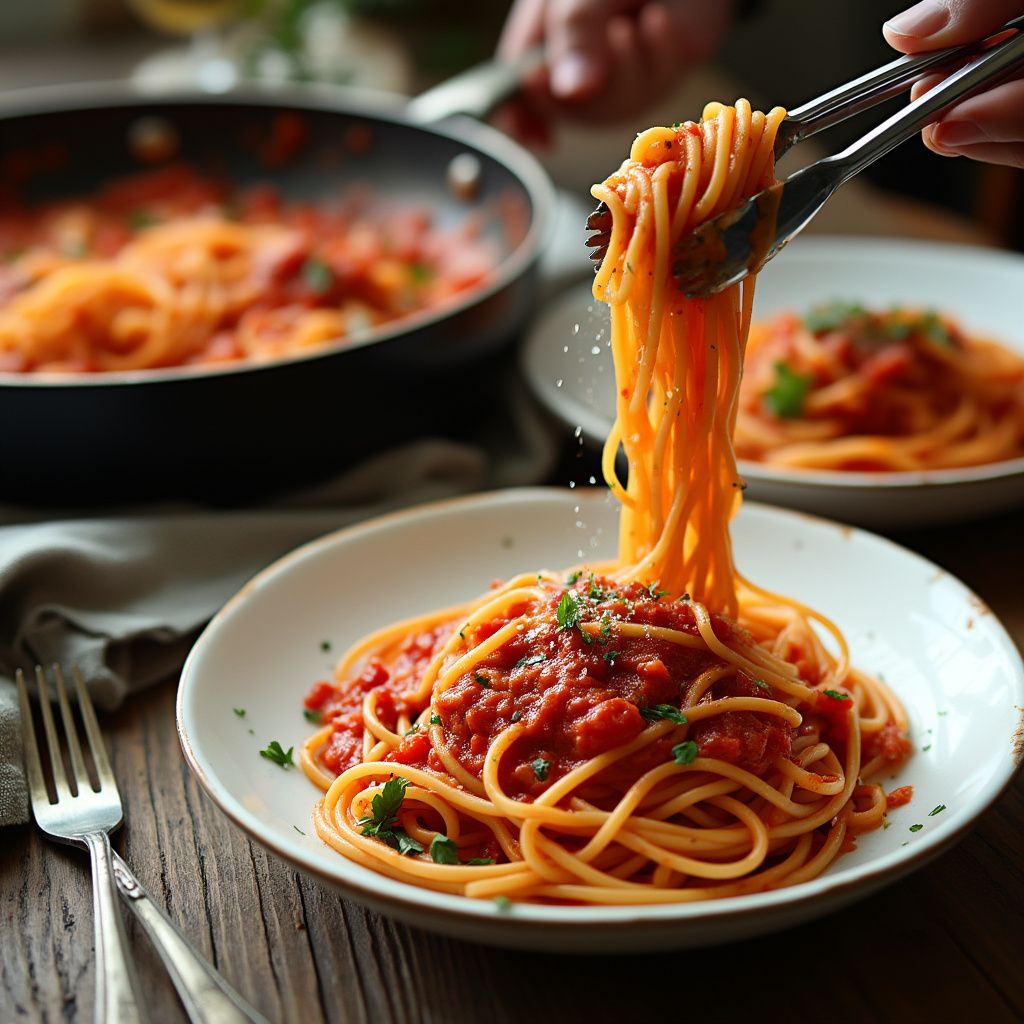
605,59
988,126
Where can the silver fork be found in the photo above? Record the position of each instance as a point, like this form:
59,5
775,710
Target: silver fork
739,241
83,816
86,819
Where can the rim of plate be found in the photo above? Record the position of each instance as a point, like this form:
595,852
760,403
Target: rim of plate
566,407
376,889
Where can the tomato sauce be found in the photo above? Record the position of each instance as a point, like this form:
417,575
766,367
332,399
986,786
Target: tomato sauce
576,692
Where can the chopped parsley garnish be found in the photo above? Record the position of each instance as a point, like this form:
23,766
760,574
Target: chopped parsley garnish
481,680
685,753
516,715
312,715
934,329
836,695
541,766
573,577
924,749
936,810
568,611
895,329
832,315
479,861
435,719
325,645
531,659
610,656
318,277
239,711
503,903
916,828
786,396
462,635
413,730
420,273
443,850
139,219
671,714
273,751
655,593
382,822
299,830
761,684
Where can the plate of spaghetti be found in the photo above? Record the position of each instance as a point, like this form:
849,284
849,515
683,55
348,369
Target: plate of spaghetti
884,380
644,736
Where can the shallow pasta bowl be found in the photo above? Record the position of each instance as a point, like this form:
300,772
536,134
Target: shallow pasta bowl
567,362
934,641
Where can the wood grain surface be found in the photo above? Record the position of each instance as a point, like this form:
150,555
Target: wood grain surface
945,944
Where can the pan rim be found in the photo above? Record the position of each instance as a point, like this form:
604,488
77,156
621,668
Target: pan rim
380,106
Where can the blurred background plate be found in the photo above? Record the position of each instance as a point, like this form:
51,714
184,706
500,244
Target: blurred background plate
567,362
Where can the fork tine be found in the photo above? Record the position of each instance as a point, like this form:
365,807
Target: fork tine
74,747
60,779
33,765
104,772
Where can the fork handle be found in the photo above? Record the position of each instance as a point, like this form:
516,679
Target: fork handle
118,998
988,69
206,996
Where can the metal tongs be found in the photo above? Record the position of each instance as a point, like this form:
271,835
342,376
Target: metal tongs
741,240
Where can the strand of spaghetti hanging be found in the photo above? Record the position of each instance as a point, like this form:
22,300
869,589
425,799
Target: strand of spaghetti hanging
745,235
677,362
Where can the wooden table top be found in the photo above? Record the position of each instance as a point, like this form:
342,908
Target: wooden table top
944,944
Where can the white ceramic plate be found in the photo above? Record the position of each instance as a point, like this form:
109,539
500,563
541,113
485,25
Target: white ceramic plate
934,641
568,364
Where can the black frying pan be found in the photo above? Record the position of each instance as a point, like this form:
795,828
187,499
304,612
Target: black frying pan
248,429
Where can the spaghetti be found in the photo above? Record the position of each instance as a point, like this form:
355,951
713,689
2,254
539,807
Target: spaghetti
845,388
658,730
169,268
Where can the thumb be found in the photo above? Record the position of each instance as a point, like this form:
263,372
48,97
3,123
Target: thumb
935,24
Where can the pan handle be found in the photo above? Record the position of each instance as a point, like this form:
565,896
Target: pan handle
475,91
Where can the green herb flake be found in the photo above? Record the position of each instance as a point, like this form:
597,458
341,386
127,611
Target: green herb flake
685,753
273,751
936,810
443,850
317,276
935,330
573,577
926,749
916,828
832,315
325,645
503,904
140,219
420,273
413,730
541,766
886,823
836,694
942,714
479,861
481,680
516,715
299,830
531,659
762,685
312,715
382,822
610,656
668,713
462,634
435,719
786,396
655,593
239,711
568,611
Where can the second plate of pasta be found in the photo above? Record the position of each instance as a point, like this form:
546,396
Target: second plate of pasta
888,302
